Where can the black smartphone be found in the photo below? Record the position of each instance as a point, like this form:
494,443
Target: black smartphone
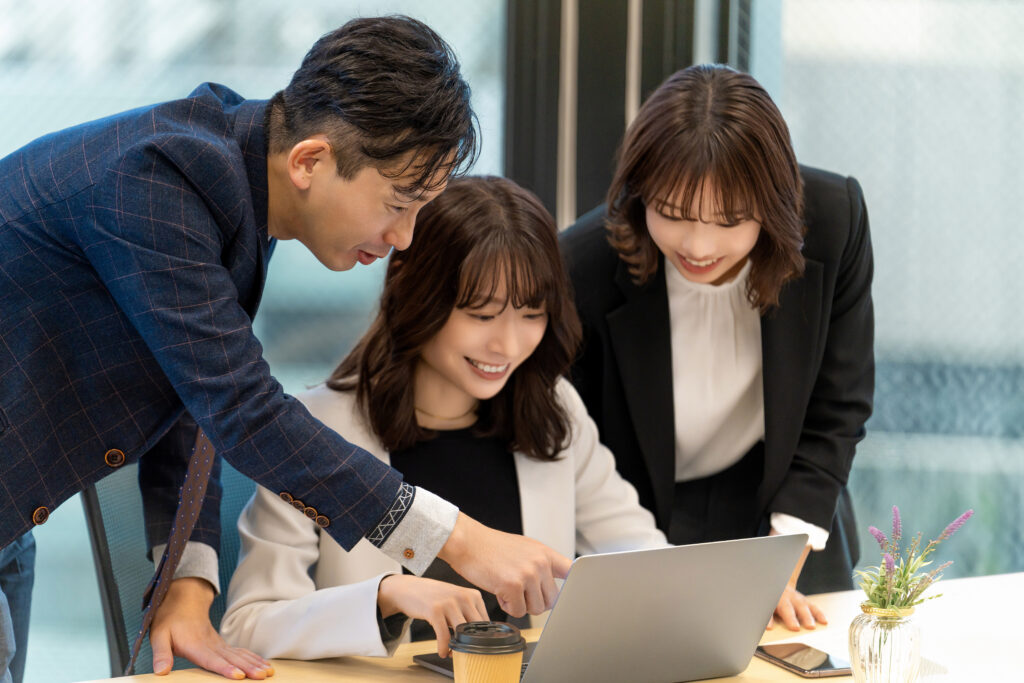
804,660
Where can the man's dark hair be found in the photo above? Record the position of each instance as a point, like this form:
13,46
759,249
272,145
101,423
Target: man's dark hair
381,88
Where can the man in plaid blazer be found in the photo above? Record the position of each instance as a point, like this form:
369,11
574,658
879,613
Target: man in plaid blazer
133,253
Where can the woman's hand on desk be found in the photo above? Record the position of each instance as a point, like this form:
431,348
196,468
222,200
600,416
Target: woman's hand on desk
442,605
795,610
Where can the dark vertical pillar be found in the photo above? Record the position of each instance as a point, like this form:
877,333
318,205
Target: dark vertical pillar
532,71
601,97
723,23
667,41
531,104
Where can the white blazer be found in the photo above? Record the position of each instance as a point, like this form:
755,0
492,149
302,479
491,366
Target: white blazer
297,594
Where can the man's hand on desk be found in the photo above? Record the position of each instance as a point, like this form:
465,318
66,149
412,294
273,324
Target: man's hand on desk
520,571
182,627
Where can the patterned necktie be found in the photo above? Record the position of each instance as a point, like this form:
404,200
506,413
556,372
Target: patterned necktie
191,501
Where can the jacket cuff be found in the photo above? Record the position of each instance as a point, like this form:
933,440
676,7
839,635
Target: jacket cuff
808,494
415,528
788,524
197,560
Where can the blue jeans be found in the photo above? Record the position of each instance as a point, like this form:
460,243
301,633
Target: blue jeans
6,640
17,572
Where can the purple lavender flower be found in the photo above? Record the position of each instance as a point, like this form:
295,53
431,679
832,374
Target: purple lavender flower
879,536
888,585
954,525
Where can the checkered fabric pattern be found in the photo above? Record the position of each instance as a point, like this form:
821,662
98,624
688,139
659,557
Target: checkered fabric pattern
133,253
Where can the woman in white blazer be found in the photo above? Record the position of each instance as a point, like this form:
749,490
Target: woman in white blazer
463,368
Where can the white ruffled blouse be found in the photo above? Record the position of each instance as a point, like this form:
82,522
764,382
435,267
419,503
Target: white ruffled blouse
716,373
717,385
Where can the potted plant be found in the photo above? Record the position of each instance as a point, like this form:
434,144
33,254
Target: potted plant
885,644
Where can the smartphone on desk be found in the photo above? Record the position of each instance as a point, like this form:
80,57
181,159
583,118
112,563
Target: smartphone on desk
803,660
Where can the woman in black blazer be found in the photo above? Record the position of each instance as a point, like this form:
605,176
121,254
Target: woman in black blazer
741,418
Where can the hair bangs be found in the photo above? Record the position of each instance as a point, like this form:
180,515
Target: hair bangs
678,180
507,272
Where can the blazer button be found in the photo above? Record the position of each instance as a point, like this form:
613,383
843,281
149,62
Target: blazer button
40,515
298,504
322,521
310,512
114,457
286,497
409,553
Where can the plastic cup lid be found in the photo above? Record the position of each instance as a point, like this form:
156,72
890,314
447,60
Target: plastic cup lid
487,638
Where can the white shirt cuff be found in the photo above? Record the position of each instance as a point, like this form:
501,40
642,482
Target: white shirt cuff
423,531
788,524
197,560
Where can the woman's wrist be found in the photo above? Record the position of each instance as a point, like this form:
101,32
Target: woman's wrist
386,601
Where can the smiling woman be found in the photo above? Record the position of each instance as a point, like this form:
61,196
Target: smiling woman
498,300
458,382
710,141
471,358
704,243
726,296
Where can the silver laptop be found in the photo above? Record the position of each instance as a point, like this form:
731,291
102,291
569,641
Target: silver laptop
661,616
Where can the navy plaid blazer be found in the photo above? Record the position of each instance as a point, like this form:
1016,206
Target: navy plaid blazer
133,253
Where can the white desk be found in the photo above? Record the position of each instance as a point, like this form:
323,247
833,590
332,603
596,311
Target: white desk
974,633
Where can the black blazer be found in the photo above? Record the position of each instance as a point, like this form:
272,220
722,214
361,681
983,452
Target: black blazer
817,351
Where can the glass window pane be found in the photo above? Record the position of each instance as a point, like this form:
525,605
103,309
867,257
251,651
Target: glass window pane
923,102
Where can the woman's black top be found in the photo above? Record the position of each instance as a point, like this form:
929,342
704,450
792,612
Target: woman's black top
479,476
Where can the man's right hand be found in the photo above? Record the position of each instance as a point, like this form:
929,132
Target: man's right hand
520,571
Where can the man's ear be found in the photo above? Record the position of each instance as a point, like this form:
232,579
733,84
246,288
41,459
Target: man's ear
305,156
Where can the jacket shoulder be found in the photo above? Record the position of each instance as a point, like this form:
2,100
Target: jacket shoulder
592,262
585,242
569,399
833,210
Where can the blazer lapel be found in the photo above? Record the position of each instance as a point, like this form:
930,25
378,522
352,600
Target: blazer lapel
641,343
547,502
790,337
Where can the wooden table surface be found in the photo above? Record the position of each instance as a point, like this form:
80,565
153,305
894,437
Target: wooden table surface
972,633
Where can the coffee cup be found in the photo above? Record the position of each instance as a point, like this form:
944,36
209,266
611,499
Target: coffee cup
487,652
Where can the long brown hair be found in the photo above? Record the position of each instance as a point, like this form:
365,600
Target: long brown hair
480,233
710,123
